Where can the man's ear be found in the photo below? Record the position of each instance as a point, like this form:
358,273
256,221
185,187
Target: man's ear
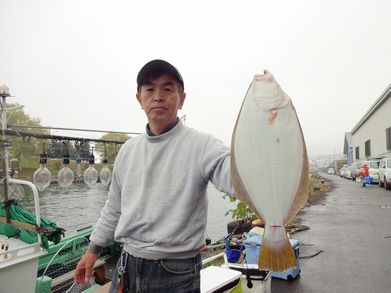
182,97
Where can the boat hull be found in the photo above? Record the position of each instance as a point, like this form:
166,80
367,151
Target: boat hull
18,266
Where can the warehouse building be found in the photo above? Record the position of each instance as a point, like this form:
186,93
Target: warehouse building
371,137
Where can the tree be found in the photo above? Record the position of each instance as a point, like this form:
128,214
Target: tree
25,149
28,146
111,149
16,116
58,149
55,150
85,150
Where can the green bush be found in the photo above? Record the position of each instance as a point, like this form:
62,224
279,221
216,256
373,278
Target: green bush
241,212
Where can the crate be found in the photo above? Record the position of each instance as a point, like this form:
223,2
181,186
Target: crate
43,284
253,244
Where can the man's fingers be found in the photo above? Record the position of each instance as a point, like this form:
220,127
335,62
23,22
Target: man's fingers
88,274
83,275
79,276
85,268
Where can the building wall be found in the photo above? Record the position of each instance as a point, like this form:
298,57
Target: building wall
349,156
375,130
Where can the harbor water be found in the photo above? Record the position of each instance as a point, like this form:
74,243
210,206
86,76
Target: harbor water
79,206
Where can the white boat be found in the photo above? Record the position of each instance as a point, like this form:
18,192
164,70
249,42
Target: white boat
18,259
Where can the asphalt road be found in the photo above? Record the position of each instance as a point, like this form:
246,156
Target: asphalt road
352,228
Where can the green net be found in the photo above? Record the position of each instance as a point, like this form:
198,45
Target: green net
50,230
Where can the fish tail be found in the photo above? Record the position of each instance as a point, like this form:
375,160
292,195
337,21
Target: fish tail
276,254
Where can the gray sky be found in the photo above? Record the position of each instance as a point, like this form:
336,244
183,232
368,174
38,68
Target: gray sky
74,63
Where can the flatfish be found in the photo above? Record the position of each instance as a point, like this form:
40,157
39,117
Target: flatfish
269,166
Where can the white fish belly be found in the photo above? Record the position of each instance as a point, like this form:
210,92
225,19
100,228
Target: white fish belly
269,158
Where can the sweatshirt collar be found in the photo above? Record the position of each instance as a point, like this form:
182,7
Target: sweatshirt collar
167,129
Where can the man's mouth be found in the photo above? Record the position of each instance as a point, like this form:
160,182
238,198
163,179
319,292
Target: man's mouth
158,108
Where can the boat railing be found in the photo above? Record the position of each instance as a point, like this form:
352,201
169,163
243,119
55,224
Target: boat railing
36,207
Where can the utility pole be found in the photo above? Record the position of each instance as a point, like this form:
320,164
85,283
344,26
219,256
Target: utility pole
4,93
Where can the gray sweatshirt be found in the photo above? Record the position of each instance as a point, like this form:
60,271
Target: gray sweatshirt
157,204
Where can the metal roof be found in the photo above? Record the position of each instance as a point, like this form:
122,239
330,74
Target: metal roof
383,97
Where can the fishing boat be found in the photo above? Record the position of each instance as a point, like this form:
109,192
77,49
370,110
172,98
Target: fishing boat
34,255
18,259
51,269
47,266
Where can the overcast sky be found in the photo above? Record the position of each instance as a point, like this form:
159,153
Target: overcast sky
74,63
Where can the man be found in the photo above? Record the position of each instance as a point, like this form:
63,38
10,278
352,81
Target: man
364,170
365,174
157,205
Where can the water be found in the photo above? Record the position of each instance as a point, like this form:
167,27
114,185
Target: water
79,206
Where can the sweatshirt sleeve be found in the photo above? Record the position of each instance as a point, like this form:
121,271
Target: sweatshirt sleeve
103,234
215,165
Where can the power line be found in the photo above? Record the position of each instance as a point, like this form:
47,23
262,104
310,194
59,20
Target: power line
58,137
71,129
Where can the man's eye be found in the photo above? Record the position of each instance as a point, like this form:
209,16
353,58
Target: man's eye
168,89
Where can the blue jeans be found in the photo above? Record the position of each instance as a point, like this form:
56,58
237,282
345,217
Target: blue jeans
159,276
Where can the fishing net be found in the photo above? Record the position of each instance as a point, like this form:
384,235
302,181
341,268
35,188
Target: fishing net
57,274
49,230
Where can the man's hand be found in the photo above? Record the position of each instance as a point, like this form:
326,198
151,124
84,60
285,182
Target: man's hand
85,267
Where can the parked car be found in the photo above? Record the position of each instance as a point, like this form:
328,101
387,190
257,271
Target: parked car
331,171
342,171
347,173
385,173
355,170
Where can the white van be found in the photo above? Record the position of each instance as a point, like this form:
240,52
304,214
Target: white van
373,169
385,173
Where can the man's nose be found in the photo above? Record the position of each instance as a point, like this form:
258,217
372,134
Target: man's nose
158,95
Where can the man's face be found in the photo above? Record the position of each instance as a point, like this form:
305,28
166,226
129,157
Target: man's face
161,99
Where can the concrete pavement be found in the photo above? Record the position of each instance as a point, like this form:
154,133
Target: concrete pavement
352,226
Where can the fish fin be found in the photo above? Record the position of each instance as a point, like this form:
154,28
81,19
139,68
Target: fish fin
240,189
276,255
237,182
303,187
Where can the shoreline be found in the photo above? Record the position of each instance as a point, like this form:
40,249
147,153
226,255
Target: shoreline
319,189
